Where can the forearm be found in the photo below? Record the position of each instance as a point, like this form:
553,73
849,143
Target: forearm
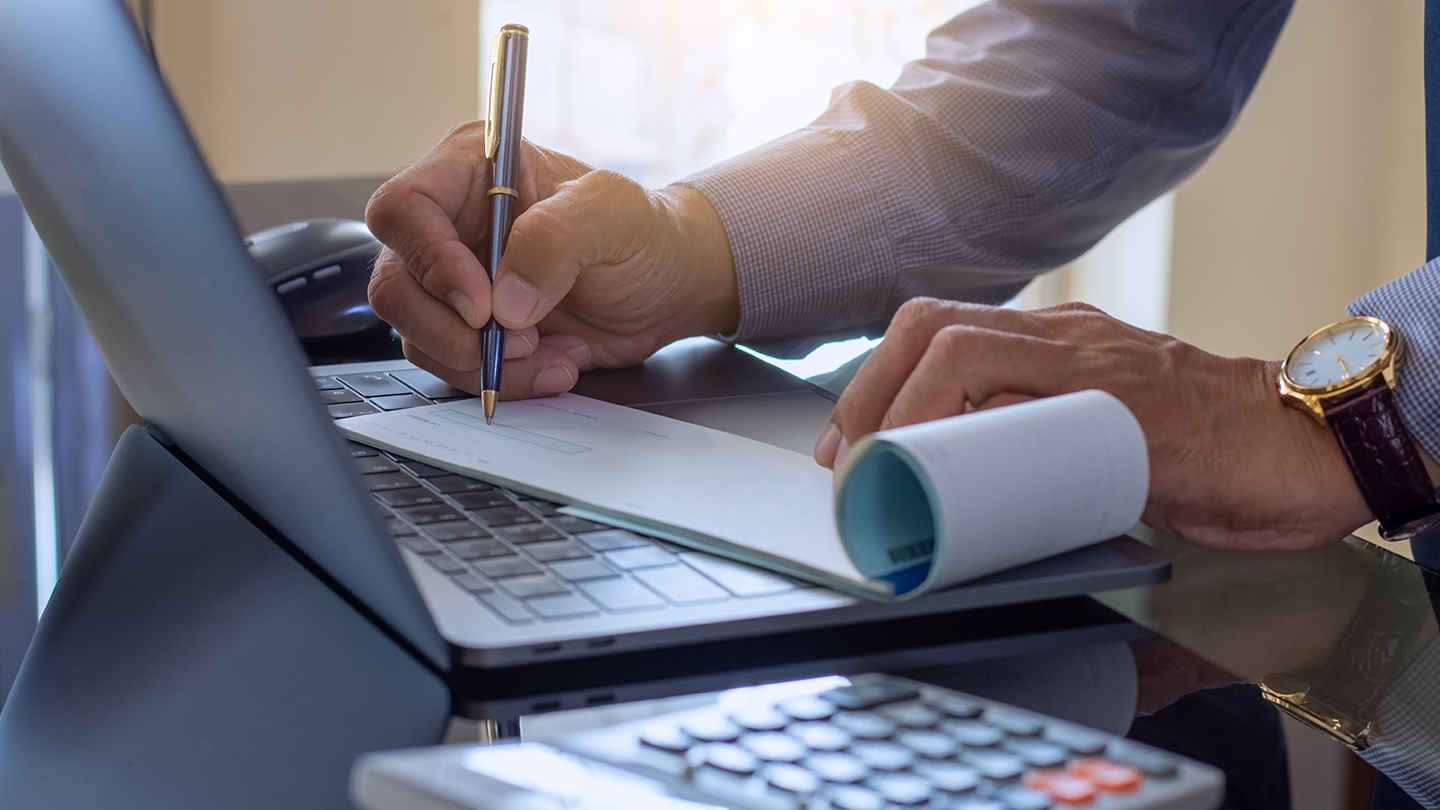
1030,130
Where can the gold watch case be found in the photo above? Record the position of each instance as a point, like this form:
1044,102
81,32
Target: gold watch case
1312,399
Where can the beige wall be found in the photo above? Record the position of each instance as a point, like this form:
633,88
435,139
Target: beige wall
1318,195
278,89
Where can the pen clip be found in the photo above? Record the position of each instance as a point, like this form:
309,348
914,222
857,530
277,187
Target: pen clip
492,130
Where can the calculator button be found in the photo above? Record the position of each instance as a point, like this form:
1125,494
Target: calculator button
853,797
807,707
731,759
950,777
822,736
759,718
834,767
772,746
928,744
977,804
864,725
711,728
1062,786
995,765
1037,754
792,779
859,696
902,788
883,756
954,706
666,738
1149,762
1111,777
909,715
1014,723
1022,799
972,733
1080,741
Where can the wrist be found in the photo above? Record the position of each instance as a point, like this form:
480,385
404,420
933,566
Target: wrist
709,294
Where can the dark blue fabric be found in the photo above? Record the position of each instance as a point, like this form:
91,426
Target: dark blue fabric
1432,128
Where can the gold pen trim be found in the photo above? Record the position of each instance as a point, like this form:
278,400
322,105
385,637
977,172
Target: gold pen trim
503,190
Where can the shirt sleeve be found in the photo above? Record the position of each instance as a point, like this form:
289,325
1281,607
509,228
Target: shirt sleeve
1412,305
1405,732
1029,130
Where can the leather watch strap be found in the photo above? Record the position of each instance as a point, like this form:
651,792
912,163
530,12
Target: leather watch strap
1383,456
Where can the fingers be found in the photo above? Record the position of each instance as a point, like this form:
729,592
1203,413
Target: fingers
551,367
596,219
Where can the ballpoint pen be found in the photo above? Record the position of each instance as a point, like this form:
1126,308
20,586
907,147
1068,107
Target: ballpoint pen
502,149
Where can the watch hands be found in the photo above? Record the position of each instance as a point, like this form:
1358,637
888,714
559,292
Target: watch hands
1341,361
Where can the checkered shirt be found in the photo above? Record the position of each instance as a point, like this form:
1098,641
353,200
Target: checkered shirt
1412,305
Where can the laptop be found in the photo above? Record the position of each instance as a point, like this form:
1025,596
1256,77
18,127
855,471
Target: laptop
464,573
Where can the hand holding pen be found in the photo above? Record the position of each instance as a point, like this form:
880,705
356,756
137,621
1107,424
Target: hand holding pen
502,149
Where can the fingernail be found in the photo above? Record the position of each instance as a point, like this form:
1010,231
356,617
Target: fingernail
827,443
518,346
580,353
463,304
555,380
514,300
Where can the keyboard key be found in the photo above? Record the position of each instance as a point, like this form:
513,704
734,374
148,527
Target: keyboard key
398,402
613,539
1081,741
358,450
1062,786
1014,723
972,733
582,570
759,718
471,583
807,707
398,528
451,484
481,500
864,725
1021,799
557,550
854,797
883,756
432,513
383,481
1111,777
620,594
448,565
419,545
772,746
506,516
835,767
507,608
928,744
575,525
954,706
731,759
792,779
480,549
996,765
350,409
449,532
666,737
502,567
821,736
737,578
373,385
420,469
428,384
545,508
327,383
678,583
340,397
904,789
909,715
950,777
557,607
531,533
711,728
645,557
1037,754
868,695
530,586
410,496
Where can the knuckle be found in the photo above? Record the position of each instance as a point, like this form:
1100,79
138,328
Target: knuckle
952,338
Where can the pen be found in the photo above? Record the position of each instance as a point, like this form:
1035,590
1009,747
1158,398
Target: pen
502,148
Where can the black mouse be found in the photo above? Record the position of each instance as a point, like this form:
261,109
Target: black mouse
320,269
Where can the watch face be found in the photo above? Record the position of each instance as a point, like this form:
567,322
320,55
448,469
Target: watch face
1339,353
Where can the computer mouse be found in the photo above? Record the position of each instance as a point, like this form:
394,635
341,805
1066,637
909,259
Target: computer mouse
320,270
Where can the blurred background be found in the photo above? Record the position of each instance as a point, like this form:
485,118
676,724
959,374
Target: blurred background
1316,197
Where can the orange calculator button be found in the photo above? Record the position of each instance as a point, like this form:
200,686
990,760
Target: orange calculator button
1111,777
1063,787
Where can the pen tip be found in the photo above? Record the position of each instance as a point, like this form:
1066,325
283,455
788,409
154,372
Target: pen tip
487,401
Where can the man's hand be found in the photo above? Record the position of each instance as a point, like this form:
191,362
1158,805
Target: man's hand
597,271
1230,465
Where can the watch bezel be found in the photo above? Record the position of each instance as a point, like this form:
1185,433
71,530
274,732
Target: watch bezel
1314,397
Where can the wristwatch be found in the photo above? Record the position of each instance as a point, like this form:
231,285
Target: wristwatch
1343,375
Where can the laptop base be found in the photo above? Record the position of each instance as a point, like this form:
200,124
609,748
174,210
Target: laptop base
187,660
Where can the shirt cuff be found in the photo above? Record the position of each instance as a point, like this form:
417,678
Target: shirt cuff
1411,304
794,278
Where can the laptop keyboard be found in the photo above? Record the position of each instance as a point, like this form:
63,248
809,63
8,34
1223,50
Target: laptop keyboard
517,555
